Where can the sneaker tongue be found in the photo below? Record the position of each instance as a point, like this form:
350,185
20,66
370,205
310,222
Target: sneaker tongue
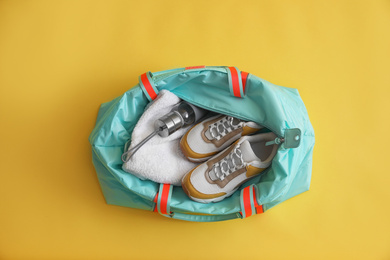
247,153
213,175
208,135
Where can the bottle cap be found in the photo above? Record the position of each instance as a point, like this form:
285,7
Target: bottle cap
168,124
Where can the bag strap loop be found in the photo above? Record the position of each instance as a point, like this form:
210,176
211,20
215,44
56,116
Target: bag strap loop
237,81
147,85
163,199
249,205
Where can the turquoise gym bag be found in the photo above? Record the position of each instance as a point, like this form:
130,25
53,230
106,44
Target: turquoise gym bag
224,90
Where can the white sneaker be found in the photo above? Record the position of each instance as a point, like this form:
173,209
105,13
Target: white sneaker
213,135
223,174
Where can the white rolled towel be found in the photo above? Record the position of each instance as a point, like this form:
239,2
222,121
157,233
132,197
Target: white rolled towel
160,159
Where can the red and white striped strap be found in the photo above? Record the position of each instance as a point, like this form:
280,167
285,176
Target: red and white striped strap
148,86
249,205
163,199
237,81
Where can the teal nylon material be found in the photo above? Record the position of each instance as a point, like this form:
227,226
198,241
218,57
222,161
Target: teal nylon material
277,108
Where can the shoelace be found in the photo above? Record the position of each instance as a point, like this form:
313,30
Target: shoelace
231,163
224,126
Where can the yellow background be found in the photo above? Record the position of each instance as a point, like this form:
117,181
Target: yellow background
59,60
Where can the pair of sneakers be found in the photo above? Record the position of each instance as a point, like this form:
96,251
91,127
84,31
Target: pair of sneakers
230,156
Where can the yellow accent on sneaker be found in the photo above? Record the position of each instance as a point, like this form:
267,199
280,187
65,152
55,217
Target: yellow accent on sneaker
190,190
247,130
253,171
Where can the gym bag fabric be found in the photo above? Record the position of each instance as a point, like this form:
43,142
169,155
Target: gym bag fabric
224,90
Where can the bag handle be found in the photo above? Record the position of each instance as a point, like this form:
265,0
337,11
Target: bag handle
248,200
163,200
204,218
147,85
237,81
